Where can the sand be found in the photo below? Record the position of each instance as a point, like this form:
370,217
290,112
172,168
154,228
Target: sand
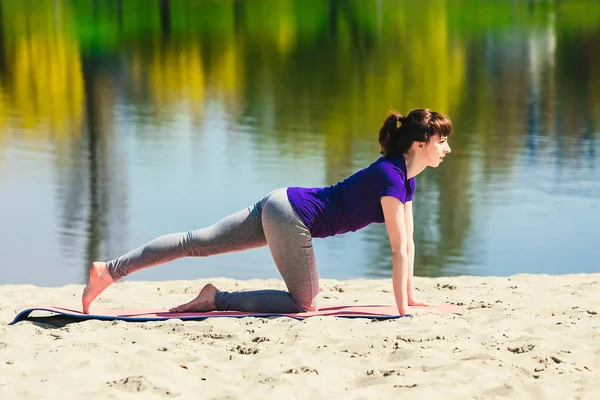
524,337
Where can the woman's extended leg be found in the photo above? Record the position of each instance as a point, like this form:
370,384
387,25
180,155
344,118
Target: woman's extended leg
290,243
240,231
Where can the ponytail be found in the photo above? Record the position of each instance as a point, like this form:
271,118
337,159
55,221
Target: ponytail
389,132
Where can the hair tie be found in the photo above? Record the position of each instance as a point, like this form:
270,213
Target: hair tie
400,120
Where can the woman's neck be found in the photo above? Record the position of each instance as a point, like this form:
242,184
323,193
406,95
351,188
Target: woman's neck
414,166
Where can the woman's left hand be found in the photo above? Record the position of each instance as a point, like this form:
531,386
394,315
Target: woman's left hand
417,303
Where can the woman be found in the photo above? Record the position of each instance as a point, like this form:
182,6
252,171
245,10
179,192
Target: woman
287,219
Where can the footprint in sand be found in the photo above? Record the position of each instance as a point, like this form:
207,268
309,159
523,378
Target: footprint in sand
302,370
504,390
140,384
245,350
521,349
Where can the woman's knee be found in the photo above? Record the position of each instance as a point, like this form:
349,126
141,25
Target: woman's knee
194,243
308,305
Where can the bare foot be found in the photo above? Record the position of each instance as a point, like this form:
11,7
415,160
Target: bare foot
100,279
205,301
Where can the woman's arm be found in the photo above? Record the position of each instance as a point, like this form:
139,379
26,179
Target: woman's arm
410,249
393,213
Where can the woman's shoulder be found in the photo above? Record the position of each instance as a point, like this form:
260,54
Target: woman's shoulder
388,165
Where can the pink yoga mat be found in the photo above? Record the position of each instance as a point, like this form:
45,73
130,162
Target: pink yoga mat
364,311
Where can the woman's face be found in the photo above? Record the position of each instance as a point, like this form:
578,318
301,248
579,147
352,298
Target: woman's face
435,150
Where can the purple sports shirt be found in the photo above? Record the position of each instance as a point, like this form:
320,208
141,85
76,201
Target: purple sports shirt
354,202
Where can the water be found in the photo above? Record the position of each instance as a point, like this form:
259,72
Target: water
121,121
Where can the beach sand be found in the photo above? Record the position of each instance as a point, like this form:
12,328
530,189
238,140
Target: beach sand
524,337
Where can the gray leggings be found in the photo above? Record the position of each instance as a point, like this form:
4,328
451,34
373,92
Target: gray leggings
273,222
